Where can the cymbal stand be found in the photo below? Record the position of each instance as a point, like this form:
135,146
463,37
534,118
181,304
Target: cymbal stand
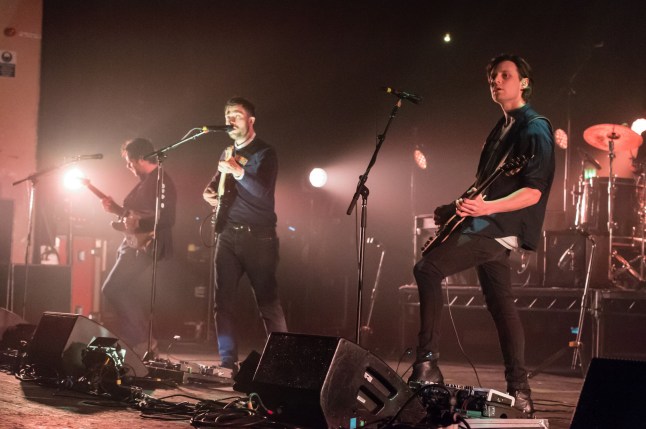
579,199
642,227
611,193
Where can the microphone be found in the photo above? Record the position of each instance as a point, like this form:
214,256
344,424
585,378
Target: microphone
216,128
586,157
93,156
416,99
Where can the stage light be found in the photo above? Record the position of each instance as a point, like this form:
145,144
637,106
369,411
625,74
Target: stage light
447,38
560,138
318,177
639,125
420,158
72,179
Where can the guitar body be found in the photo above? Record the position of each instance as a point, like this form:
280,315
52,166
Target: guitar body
442,234
510,167
136,240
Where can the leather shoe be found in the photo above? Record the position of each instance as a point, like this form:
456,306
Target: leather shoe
524,401
425,372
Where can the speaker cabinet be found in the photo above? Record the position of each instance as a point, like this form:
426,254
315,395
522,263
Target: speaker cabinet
59,340
322,382
611,392
48,289
6,230
566,255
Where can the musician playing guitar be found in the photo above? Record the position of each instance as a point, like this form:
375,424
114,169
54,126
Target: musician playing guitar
507,216
126,286
246,241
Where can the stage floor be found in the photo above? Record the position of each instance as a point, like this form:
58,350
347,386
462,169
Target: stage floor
29,405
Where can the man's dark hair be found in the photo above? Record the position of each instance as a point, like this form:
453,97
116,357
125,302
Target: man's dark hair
241,101
524,70
137,149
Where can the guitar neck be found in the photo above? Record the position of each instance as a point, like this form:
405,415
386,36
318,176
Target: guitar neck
95,191
484,185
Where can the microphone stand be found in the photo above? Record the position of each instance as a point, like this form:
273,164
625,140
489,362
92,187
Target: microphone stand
33,180
160,155
363,190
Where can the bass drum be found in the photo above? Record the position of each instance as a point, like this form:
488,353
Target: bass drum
593,210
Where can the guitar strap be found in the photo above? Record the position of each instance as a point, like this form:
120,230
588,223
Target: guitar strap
509,147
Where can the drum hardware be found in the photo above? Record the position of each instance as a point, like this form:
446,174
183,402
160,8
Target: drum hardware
611,138
626,267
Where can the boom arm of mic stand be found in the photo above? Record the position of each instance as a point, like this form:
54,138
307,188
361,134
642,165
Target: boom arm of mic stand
162,151
380,140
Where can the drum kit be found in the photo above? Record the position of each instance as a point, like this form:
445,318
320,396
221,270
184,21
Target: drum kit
614,208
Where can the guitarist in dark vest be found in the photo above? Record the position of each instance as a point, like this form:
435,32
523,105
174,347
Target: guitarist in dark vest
242,191
126,288
508,215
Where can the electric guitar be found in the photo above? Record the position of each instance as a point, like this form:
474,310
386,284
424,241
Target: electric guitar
135,239
226,187
510,168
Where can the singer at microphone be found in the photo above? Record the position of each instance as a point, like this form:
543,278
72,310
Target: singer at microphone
413,98
216,128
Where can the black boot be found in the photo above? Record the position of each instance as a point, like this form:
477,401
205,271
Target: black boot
425,370
523,401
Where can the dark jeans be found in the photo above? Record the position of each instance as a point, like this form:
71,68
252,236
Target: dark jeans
255,253
124,288
491,259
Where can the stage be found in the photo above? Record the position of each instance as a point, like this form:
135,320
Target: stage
612,333
29,405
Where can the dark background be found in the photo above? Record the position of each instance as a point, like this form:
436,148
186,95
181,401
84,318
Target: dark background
118,69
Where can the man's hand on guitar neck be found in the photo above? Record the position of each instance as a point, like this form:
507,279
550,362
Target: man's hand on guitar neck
111,207
231,166
472,207
523,197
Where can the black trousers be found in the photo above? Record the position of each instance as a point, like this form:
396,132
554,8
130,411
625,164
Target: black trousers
254,252
460,252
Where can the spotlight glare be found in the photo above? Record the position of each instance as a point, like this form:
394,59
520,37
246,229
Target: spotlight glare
447,37
560,138
420,159
72,177
639,125
318,177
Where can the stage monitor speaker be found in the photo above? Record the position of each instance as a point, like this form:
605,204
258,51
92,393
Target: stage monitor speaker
611,394
8,320
322,382
60,339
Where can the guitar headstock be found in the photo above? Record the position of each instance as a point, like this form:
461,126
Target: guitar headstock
514,165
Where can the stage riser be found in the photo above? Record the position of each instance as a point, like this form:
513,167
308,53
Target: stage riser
548,316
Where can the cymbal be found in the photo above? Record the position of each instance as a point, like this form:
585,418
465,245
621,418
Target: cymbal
623,138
